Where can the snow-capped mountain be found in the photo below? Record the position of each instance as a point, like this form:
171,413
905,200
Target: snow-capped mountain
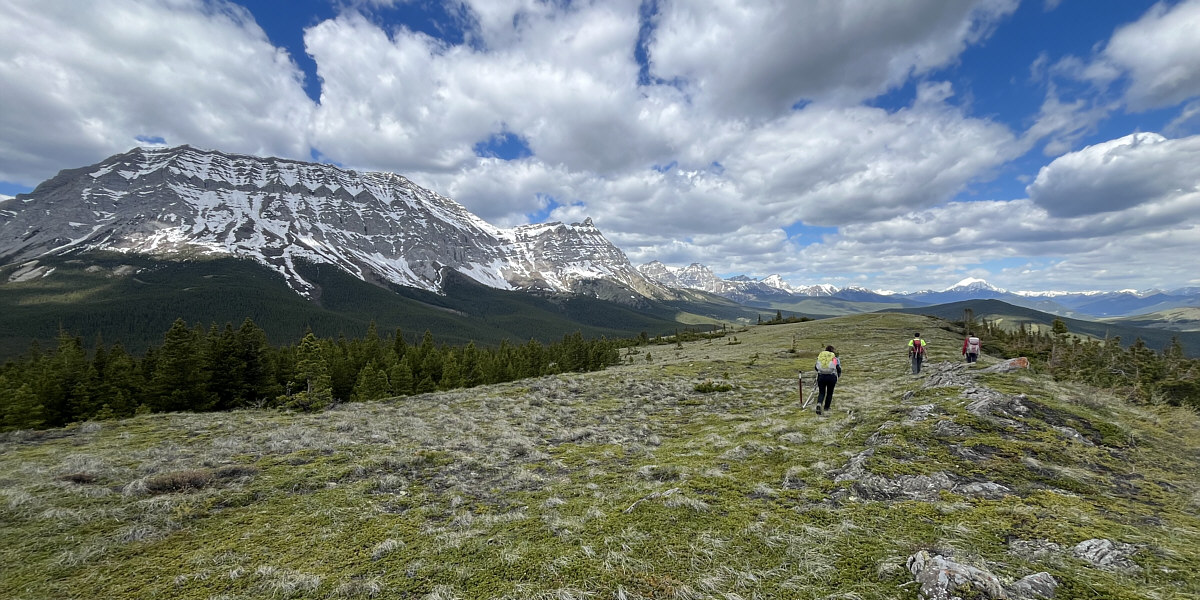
380,227
740,288
967,289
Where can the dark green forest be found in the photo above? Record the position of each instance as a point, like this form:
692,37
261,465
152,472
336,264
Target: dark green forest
213,369
135,299
1136,370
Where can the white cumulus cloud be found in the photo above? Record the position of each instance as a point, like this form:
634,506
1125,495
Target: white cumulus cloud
84,80
1141,169
1161,54
761,58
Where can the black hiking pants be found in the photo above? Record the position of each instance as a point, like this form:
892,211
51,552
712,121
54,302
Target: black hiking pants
916,363
825,384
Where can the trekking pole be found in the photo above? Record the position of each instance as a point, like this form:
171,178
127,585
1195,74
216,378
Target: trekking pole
811,395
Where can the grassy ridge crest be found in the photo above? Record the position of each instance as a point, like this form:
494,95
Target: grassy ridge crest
625,483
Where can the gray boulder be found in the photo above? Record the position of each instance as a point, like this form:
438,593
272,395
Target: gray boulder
944,579
1038,585
1107,554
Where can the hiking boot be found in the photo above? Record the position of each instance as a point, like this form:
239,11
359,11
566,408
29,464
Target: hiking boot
819,410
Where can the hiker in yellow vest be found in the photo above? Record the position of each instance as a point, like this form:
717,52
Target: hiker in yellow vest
829,369
916,351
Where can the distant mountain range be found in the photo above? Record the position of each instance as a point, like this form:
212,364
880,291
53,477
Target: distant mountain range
121,248
1011,317
1068,304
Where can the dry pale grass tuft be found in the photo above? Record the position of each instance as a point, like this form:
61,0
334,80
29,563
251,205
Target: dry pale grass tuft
80,555
285,582
359,587
385,548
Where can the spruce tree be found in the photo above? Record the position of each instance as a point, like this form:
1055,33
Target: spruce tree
258,370
223,367
59,378
311,377
472,369
20,407
372,384
179,381
121,383
400,378
452,377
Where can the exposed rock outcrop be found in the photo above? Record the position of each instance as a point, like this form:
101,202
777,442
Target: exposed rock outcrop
943,578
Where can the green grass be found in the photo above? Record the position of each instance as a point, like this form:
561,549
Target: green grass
1012,317
626,483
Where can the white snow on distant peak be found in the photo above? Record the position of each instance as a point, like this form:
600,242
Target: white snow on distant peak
1054,294
972,282
777,282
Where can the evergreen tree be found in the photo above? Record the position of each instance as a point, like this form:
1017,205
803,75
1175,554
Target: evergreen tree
431,367
452,377
258,370
20,407
343,372
426,385
400,378
472,367
372,384
311,377
224,368
370,349
399,346
60,378
121,384
179,381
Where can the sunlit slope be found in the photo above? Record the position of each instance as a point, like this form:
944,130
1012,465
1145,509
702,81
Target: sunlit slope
626,483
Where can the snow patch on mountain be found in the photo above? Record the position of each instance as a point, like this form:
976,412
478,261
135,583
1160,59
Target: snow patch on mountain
380,227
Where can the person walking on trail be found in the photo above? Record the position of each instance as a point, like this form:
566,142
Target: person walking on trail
829,369
971,347
916,351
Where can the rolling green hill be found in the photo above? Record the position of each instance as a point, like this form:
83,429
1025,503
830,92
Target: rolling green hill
1011,316
134,300
1174,319
630,483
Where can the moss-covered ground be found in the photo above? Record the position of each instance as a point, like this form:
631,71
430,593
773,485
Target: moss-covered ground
627,483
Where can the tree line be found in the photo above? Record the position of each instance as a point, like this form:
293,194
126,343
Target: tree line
1141,373
213,369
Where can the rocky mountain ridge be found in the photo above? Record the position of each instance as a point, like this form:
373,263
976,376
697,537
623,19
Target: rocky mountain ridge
742,288
380,227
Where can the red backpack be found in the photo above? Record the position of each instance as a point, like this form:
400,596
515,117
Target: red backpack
918,347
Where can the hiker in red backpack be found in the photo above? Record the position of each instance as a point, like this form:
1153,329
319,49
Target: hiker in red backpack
971,347
916,351
829,369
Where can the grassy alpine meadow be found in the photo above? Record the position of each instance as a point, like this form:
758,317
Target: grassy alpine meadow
690,471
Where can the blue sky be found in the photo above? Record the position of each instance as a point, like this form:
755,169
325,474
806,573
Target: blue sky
1044,144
